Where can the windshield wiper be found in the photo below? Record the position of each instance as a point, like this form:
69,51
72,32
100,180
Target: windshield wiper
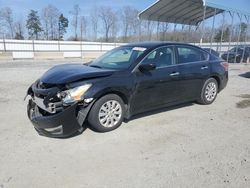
96,66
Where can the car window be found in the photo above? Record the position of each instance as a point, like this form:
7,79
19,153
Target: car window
248,49
121,55
119,58
189,54
161,57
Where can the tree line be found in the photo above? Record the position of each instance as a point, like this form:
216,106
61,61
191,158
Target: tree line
107,25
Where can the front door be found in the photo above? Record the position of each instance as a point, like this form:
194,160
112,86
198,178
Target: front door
157,87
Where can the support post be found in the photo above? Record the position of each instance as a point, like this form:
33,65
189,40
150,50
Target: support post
222,30
81,41
33,45
157,30
231,33
245,40
248,59
182,33
4,45
212,34
59,49
238,38
189,34
203,24
175,38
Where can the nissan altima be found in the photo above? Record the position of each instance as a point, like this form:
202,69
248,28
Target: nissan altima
125,81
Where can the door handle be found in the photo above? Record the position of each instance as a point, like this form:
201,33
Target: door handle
174,74
204,67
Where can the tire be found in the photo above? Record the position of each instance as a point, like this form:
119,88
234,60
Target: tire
209,92
238,59
107,113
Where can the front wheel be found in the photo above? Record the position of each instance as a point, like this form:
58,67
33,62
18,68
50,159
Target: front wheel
107,113
209,91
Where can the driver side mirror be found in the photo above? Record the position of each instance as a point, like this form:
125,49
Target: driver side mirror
147,67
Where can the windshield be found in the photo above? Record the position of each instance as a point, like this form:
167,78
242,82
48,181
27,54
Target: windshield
119,58
235,49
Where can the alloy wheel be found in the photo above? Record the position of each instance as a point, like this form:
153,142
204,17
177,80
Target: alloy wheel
110,113
211,91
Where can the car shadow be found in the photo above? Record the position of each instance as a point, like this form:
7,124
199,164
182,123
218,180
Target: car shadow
245,75
158,111
138,116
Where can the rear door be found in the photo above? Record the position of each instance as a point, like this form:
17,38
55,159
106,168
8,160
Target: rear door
194,70
157,87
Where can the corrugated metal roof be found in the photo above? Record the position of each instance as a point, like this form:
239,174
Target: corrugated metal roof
239,6
188,12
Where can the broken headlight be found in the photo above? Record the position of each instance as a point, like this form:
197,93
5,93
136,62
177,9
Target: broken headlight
74,95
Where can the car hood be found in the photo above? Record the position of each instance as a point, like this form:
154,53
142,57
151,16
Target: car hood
63,74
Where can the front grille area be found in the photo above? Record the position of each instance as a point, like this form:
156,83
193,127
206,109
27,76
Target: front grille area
46,97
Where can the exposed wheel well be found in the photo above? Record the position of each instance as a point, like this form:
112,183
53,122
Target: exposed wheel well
123,97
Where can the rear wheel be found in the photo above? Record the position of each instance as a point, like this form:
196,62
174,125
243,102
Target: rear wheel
238,59
209,91
107,113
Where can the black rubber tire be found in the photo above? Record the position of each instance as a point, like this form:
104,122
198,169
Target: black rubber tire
238,59
93,119
202,99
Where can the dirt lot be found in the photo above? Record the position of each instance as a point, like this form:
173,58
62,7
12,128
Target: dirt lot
187,146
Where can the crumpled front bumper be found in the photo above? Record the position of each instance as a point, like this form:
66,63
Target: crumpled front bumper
61,124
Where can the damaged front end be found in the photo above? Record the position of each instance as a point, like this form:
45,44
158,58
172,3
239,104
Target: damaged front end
56,111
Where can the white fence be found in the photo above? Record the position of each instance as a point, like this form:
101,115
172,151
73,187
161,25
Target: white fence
28,48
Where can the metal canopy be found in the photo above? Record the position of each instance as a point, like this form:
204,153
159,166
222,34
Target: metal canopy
189,12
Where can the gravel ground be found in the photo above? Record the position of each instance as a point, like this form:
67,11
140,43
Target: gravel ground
186,146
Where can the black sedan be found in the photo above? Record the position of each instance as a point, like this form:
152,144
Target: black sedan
125,81
237,54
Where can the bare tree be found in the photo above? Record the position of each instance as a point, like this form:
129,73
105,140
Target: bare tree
7,19
150,29
125,17
109,19
75,13
135,26
50,15
129,22
115,27
19,30
147,30
94,22
162,30
83,27
45,22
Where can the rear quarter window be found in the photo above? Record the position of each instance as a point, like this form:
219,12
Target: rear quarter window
189,54
214,58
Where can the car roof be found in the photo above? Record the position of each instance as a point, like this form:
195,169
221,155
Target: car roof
208,49
155,44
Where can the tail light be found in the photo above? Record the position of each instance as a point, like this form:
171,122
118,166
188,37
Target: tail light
225,65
